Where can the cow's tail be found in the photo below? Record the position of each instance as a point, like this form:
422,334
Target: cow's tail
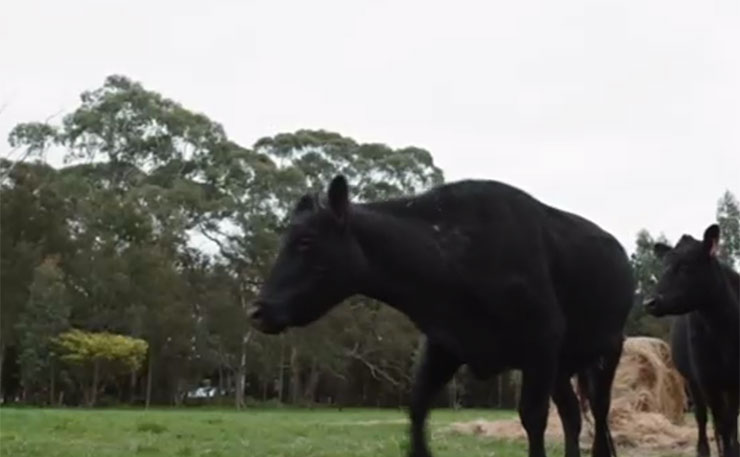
582,393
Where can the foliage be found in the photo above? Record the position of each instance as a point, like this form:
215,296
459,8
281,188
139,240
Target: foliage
82,348
143,178
99,357
152,240
646,267
44,316
728,218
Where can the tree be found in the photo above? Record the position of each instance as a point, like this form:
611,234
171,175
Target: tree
647,268
143,171
284,167
143,176
728,217
33,213
100,356
44,316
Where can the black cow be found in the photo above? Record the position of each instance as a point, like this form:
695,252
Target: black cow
494,278
705,295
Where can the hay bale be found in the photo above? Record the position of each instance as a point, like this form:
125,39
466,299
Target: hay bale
648,404
647,381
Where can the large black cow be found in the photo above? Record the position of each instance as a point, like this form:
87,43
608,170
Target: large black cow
705,295
493,277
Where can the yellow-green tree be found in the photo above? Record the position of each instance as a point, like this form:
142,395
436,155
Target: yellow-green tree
99,357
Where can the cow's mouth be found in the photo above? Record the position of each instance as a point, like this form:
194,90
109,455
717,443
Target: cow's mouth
262,323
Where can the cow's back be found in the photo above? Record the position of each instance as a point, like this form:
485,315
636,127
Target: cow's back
490,236
593,280
586,267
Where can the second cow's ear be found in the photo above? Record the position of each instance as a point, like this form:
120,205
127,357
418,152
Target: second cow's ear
339,198
306,203
661,249
711,239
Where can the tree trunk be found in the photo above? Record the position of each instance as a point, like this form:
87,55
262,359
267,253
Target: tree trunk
241,375
94,385
220,384
52,390
281,374
500,386
2,362
149,370
309,393
132,388
179,394
295,381
451,387
517,390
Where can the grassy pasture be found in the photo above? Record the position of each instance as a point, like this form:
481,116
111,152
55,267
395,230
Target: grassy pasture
254,432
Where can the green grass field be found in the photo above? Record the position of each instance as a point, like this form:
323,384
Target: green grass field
253,432
261,432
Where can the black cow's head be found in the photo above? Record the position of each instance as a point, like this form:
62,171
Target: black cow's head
316,267
691,273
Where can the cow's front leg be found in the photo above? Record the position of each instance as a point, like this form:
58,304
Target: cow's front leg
537,384
436,369
720,413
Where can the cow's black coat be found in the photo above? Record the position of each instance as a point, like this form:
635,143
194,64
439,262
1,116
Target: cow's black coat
704,294
493,277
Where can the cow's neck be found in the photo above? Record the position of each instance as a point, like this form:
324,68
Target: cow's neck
722,311
407,268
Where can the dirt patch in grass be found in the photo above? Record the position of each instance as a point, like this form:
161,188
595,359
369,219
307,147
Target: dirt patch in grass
647,414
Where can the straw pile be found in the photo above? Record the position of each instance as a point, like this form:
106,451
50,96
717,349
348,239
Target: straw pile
648,404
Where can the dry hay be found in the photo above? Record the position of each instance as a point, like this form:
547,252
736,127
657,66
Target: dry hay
648,403
647,381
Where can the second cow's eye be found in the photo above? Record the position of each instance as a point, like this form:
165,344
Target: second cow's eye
304,244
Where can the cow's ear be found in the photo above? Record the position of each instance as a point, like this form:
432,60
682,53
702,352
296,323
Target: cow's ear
660,250
711,239
339,198
306,203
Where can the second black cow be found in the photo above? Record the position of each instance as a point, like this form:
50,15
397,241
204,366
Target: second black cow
705,295
494,278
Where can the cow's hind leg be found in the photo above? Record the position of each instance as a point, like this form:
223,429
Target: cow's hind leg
700,414
570,414
731,412
436,369
600,378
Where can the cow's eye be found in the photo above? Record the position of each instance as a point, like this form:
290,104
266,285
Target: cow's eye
303,244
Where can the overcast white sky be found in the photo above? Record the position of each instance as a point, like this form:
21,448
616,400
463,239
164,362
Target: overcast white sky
624,111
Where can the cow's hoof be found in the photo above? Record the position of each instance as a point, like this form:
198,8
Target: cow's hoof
420,453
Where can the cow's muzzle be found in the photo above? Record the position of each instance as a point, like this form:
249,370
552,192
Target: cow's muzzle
652,305
262,319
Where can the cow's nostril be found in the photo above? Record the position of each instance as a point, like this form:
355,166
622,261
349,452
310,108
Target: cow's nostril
651,304
255,313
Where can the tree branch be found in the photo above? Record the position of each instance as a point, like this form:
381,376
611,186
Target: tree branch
375,371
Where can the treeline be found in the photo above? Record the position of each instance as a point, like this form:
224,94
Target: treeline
126,274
